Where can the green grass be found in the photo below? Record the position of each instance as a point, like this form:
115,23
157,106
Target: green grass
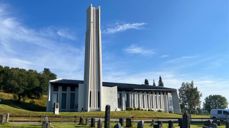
37,107
134,114
72,125
29,104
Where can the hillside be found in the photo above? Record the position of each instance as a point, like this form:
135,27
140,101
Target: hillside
37,107
28,104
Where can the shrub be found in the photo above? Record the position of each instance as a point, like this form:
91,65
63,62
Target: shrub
159,110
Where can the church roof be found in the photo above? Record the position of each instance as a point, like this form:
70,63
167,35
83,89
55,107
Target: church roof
120,86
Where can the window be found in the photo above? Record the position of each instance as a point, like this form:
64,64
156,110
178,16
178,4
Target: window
90,98
225,113
64,88
55,88
220,112
119,100
72,100
63,101
98,99
73,88
127,100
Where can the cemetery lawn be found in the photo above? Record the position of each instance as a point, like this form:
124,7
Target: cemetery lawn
72,125
134,114
35,107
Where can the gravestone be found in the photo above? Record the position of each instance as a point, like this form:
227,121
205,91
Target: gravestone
140,124
92,122
107,116
99,124
152,123
128,123
180,122
56,110
186,121
227,124
170,124
86,121
121,121
209,124
45,123
2,118
214,125
158,124
81,121
118,125
7,117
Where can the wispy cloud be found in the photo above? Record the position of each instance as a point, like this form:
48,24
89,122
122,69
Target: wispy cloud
118,27
134,49
26,47
164,56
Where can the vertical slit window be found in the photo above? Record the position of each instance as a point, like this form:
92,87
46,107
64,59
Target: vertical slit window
98,99
90,99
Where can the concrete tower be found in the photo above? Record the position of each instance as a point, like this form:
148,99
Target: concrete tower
93,61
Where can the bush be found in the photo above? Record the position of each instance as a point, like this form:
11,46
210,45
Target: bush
159,110
170,111
129,109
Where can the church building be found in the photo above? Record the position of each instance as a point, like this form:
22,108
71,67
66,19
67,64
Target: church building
92,94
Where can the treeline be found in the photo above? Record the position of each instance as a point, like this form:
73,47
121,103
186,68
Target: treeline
189,97
25,83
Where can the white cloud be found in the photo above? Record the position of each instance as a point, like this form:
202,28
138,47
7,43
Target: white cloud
164,56
37,48
123,27
134,49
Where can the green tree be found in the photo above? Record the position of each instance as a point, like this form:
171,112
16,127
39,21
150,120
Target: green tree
146,82
44,78
154,84
215,101
25,83
1,77
189,97
160,82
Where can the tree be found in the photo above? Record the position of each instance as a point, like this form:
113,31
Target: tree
215,101
44,78
25,83
154,84
189,97
160,82
146,82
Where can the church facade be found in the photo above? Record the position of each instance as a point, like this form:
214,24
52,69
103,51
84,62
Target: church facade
93,95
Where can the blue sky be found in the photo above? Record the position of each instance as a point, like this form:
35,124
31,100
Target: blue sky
181,40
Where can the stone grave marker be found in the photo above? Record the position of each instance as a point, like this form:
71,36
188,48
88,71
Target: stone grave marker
128,123
170,124
121,121
107,116
118,125
92,122
99,124
140,124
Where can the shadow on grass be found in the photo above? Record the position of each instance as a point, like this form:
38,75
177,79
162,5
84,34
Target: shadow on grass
23,105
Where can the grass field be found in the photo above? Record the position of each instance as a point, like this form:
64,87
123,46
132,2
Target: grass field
37,107
72,125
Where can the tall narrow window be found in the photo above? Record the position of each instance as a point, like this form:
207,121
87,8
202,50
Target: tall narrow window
98,99
63,101
90,98
127,100
55,88
143,100
72,100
